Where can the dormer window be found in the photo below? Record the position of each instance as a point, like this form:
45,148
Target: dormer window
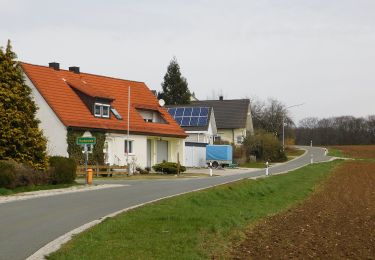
151,116
101,110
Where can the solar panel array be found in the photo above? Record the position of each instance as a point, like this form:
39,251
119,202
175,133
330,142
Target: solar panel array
190,116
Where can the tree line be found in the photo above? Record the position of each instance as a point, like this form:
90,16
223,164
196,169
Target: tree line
343,130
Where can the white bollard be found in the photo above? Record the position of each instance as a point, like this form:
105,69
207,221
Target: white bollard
312,159
266,168
210,169
311,143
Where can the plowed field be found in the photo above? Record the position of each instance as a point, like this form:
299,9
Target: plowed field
337,221
357,151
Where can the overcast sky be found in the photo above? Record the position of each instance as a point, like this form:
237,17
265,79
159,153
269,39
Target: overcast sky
317,52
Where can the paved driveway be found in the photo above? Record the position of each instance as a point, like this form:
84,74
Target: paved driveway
26,226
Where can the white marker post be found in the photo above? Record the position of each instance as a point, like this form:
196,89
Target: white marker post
312,159
267,168
210,169
311,143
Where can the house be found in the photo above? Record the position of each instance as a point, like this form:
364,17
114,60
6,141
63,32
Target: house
72,100
233,118
199,123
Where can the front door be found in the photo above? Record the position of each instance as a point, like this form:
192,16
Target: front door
162,151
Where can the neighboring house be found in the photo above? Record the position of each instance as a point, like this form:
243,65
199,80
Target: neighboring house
199,123
233,118
70,99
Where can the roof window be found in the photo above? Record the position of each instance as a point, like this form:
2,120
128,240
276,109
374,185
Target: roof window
116,113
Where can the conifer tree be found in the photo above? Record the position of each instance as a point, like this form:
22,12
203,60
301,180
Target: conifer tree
20,137
175,87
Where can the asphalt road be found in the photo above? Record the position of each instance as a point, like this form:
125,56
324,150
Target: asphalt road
26,226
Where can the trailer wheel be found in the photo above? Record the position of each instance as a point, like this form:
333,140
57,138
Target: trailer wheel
215,164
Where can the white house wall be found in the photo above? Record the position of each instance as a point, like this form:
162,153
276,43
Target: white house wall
116,149
116,146
53,129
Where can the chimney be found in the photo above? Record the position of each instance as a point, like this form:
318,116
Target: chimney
74,69
221,98
54,65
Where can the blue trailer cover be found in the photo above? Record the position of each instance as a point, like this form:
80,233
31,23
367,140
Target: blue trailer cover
219,152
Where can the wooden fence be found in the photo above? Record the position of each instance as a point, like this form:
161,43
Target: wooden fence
103,170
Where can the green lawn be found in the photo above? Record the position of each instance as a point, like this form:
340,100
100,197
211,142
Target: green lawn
293,152
253,165
4,191
196,225
335,152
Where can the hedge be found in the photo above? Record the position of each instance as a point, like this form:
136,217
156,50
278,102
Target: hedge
63,170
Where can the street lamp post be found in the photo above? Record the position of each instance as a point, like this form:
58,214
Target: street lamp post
284,122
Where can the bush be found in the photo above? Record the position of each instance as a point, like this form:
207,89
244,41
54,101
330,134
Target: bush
168,168
7,174
63,170
265,146
13,175
143,171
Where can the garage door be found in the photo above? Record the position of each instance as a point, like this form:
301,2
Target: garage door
195,156
162,151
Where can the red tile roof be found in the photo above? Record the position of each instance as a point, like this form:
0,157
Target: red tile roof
56,86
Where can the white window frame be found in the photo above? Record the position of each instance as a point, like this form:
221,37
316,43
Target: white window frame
131,146
109,110
100,110
101,105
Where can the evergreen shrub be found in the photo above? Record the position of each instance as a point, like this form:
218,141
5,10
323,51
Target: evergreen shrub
168,168
62,169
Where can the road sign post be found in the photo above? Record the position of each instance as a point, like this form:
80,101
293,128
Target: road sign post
85,141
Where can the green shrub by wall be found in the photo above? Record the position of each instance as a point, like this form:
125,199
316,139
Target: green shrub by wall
168,168
63,170
75,151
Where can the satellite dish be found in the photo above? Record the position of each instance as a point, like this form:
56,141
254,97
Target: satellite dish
161,102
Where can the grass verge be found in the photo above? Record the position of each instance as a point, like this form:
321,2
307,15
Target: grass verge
198,225
253,165
4,191
293,152
335,152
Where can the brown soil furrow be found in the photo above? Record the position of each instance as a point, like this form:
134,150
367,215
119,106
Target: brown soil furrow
336,222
